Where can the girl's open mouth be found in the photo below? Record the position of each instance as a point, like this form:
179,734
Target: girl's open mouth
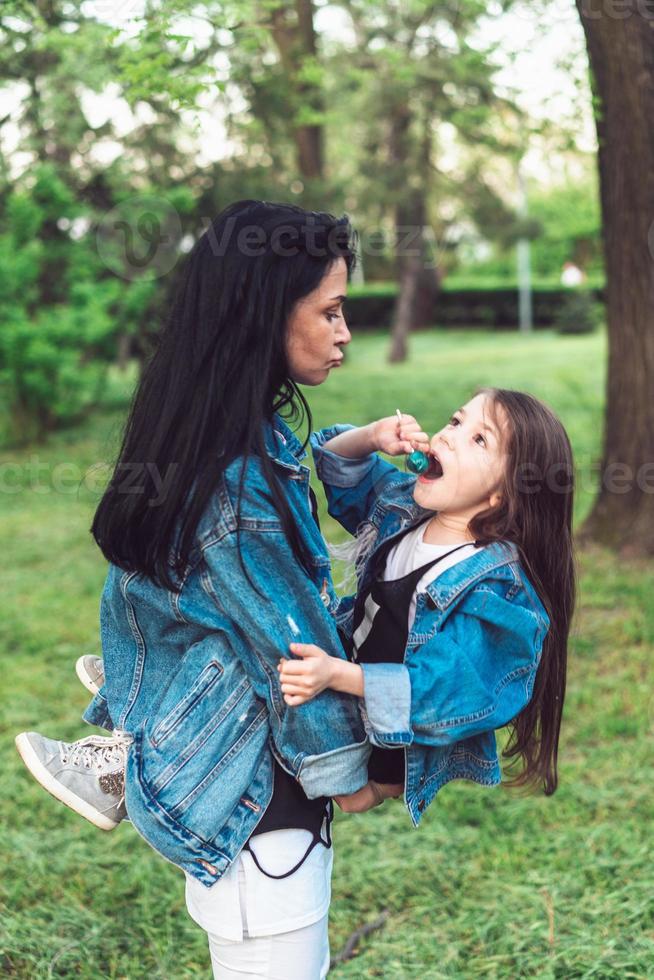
435,470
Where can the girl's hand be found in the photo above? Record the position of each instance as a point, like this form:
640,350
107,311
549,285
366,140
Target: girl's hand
397,439
371,795
302,679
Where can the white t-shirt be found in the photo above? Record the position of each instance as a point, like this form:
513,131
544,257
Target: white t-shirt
262,906
411,552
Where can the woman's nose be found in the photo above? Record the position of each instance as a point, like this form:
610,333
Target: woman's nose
343,335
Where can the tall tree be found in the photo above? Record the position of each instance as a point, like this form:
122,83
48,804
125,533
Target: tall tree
417,71
621,55
294,34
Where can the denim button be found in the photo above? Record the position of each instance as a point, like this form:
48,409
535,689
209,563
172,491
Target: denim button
421,805
422,779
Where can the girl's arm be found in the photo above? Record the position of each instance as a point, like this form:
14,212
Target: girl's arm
385,435
303,679
352,473
473,675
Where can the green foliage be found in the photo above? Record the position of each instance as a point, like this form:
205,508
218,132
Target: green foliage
44,380
55,315
565,225
159,61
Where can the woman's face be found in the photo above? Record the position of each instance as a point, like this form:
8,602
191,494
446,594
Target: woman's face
317,329
466,474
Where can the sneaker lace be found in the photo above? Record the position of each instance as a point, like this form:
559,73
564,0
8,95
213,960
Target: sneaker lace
98,757
107,759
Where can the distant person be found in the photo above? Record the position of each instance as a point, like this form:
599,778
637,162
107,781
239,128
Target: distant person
572,276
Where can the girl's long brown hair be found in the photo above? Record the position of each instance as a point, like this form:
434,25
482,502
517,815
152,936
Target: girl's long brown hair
535,513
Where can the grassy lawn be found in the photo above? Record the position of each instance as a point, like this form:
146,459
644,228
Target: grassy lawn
492,885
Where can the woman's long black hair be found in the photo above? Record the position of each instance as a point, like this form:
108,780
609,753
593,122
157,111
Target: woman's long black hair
218,375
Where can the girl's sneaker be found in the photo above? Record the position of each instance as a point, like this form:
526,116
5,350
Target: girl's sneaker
87,775
90,671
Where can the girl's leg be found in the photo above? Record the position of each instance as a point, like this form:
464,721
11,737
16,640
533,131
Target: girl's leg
302,954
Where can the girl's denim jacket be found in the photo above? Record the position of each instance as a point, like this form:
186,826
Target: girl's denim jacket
473,650
192,675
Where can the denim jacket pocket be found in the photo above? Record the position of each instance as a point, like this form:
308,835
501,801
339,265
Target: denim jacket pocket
202,685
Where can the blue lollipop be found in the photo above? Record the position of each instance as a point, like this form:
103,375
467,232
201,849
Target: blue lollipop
417,462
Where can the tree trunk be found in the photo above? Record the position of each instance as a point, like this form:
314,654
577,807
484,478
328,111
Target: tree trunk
123,350
404,308
294,35
417,278
621,53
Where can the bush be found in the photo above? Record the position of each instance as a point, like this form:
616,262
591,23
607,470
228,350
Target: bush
493,306
59,312
48,376
579,313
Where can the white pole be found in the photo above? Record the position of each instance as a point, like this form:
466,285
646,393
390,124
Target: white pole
524,262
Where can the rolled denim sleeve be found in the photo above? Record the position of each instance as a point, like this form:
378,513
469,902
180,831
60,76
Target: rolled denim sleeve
335,470
353,486
386,706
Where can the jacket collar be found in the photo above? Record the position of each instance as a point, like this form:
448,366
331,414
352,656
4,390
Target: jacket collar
455,580
282,445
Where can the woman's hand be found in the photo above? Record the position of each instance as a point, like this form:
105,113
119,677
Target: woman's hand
302,679
371,795
397,439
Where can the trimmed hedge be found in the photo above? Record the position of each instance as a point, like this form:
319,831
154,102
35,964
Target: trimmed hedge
495,307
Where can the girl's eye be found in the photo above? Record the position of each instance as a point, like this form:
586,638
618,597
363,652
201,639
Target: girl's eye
454,420
332,316
483,441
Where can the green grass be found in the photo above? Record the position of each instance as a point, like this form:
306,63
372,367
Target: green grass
492,885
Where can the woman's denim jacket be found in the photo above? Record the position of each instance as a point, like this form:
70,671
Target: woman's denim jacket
192,676
472,653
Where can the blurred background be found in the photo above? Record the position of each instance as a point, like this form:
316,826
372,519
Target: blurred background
496,160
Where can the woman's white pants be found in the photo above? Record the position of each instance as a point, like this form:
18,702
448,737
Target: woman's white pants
302,954
299,954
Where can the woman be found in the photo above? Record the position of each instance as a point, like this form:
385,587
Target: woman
211,579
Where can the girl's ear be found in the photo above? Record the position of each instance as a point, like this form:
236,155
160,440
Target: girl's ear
495,499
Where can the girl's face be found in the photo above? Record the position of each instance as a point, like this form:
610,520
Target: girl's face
467,462
317,329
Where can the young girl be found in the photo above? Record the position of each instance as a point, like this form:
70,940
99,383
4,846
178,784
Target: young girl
465,595
461,619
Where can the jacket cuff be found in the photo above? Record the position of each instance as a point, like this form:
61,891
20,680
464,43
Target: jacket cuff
335,470
97,712
386,708
335,773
